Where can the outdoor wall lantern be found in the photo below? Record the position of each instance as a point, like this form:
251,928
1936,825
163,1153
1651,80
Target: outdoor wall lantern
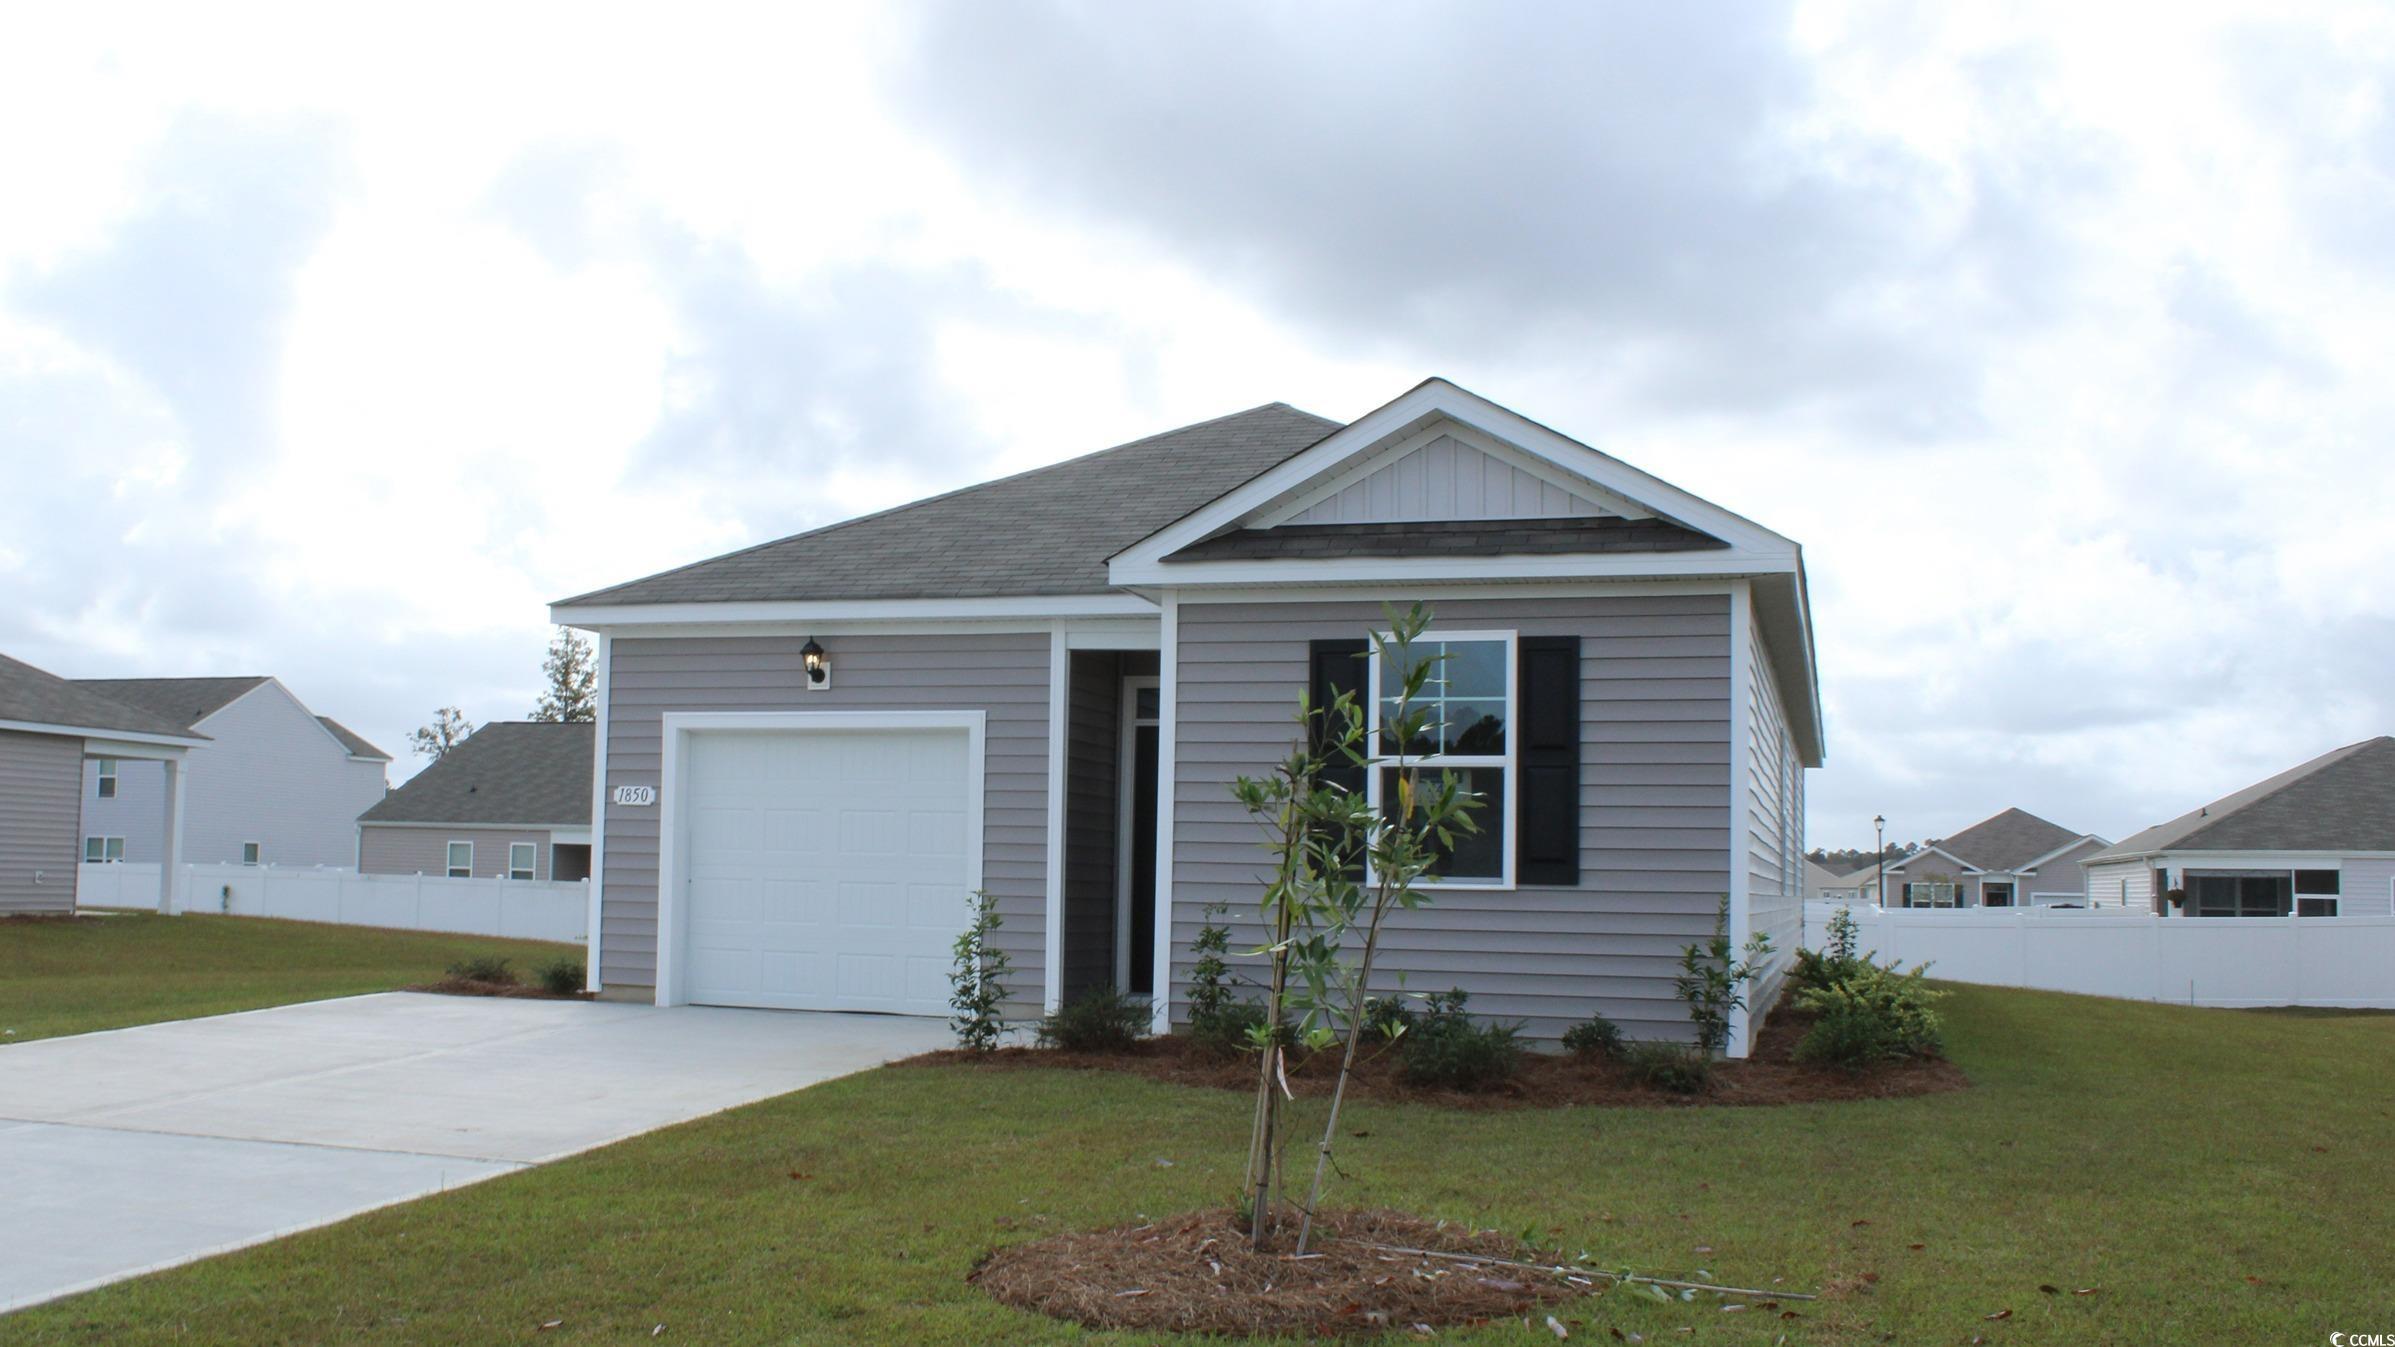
819,665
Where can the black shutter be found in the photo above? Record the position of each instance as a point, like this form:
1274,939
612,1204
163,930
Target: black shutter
1338,666
1548,851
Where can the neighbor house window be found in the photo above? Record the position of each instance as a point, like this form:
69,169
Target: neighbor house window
106,789
2238,895
1929,893
2316,892
520,856
1467,701
101,850
461,860
249,853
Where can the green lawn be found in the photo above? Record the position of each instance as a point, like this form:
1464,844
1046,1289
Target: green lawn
59,977
2215,1176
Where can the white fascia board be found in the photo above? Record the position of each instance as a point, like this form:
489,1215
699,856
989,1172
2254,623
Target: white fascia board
1735,563
128,740
569,837
1542,589
478,825
1968,868
1043,608
2030,866
2265,860
1436,398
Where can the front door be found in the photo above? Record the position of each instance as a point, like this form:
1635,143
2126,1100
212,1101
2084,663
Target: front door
1995,894
1135,954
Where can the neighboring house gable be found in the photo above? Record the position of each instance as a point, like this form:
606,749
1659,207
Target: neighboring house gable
278,785
2014,859
49,727
2315,840
508,785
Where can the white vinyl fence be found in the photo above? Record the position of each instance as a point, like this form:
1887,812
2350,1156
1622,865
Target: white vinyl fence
518,908
2244,961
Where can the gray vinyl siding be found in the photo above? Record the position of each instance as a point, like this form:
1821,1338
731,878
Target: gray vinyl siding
1655,803
2063,874
1092,769
270,774
1775,846
1002,674
39,847
385,849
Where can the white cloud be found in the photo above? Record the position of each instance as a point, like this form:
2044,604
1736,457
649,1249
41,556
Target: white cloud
2056,334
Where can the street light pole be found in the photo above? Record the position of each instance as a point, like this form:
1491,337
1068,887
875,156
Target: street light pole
1879,838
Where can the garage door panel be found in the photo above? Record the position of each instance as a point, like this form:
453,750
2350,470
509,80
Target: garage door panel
827,869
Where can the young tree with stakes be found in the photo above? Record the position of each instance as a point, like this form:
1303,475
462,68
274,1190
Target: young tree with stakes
1339,862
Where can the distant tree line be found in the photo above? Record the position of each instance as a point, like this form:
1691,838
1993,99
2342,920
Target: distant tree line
1846,860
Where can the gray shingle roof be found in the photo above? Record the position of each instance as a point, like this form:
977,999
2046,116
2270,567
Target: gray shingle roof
1451,538
513,771
32,696
352,740
2006,842
2343,800
187,701
1048,531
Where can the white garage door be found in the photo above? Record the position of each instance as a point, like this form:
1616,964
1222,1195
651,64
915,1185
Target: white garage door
827,868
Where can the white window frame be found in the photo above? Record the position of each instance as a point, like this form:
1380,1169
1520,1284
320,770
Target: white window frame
449,864
1505,762
104,787
253,853
1953,888
1127,762
530,869
107,844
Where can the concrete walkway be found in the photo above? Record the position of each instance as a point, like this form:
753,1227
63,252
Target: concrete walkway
134,1149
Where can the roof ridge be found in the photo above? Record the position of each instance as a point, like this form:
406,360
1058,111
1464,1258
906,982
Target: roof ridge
901,508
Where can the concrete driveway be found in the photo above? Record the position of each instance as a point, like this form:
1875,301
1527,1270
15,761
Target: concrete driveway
134,1149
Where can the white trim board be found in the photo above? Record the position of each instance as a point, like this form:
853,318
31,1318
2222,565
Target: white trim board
1060,715
1043,607
109,740
591,979
675,729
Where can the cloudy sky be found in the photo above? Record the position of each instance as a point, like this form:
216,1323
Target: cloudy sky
2059,335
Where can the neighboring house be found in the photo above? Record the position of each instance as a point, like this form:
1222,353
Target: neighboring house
512,801
2015,859
1044,687
49,729
2314,841
1823,884
279,784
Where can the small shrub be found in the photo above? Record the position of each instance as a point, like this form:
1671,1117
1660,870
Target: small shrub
561,976
1210,977
1713,985
977,978
490,968
1594,1037
1103,1020
1447,1050
1838,956
1870,1016
1233,1029
1387,1017
1679,1068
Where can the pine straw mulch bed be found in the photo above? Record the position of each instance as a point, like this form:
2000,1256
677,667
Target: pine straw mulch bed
457,986
1770,1076
1195,1273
